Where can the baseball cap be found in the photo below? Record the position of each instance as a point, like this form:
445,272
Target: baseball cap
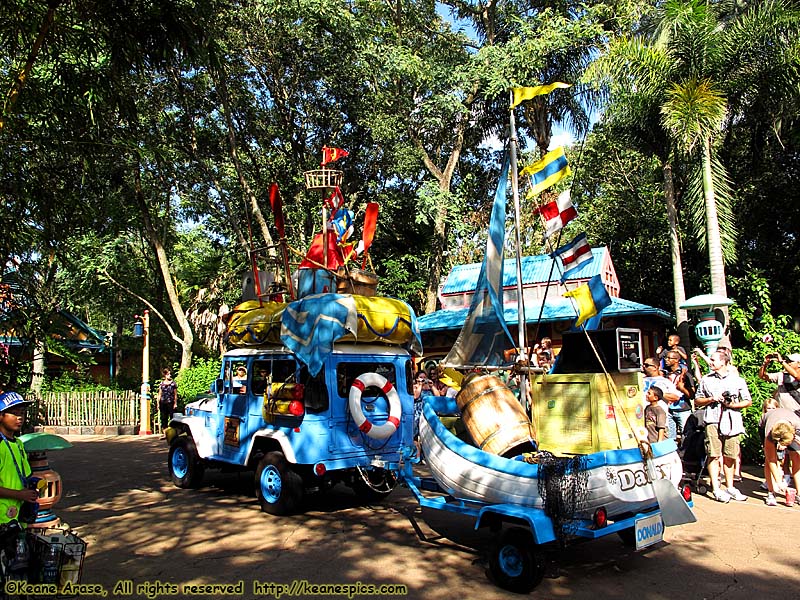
11,399
793,357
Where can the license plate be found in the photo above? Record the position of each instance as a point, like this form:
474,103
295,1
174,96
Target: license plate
649,530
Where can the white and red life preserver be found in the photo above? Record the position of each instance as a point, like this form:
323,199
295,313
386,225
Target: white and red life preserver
378,432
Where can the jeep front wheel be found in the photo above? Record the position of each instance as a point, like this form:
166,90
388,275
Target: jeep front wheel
185,465
279,489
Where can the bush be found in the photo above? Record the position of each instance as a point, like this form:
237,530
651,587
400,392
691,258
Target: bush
197,379
764,334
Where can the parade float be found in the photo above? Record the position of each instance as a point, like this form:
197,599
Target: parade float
327,398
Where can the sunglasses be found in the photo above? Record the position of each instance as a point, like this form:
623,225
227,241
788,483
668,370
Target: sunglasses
650,365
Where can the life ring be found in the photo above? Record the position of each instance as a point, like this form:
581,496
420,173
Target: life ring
378,432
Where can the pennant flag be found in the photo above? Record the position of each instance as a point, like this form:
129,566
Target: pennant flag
548,171
557,213
484,335
315,257
591,299
573,255
330,155
526,93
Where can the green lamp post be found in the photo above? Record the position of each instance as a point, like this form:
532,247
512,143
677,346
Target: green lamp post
709,330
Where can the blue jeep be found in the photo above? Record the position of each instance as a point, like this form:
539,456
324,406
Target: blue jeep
351,423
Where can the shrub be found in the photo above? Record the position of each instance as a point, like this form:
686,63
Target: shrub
197,379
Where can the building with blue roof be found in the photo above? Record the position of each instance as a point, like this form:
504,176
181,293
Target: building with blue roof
547,312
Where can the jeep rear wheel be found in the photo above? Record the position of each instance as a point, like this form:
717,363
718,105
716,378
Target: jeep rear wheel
279,489
185,465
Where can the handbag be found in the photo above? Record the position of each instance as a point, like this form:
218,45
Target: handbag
731,423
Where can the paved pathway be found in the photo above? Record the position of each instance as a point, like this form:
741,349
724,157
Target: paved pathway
142,530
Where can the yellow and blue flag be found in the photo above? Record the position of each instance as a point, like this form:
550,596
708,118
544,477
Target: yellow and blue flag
547,171
591,299
526,93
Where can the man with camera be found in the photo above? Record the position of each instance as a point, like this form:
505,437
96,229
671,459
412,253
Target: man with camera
723,394
16,491
788,380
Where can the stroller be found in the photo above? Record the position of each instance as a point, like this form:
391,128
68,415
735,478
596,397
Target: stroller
693,454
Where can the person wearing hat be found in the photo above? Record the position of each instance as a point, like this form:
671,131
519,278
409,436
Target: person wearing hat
788,379
14,467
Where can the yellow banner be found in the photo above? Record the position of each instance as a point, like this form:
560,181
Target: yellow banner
526,93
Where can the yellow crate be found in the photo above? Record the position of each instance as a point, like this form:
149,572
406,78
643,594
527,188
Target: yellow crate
581,413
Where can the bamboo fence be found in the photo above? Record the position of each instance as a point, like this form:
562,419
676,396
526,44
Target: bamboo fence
76,409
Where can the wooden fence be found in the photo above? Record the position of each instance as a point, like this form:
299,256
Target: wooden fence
81,409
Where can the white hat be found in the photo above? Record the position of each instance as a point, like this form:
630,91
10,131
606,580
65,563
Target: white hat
793,357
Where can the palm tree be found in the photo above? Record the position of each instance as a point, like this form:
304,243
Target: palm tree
686,67
693,114
636,73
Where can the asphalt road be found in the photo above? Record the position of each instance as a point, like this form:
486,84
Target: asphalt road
148,539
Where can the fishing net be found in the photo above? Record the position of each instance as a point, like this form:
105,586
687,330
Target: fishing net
563,486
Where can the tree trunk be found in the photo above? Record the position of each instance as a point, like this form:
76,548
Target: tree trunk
715,260
37,368
674,244
444,177
251,199
169,285
19,82
716,263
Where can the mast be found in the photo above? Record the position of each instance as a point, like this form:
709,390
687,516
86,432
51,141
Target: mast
522,355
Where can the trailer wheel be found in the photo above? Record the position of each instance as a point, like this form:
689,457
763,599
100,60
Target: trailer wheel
279,489
185,465
514,564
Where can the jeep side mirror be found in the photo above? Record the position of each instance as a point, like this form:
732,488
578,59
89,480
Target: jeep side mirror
218,386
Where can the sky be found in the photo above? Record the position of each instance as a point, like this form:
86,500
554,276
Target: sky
561,136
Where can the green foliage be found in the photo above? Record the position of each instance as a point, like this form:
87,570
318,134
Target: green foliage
73,381
196,380
763,333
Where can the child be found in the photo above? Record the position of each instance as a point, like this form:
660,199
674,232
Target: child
673,343
14,467
655,418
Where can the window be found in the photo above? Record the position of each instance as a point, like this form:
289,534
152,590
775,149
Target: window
280,371
346,372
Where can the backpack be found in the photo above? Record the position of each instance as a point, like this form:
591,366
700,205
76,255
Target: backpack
691,384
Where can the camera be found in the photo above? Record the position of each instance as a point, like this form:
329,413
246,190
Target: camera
728,397
30,510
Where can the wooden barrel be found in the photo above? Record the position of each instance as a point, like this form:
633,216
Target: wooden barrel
494,417
356,281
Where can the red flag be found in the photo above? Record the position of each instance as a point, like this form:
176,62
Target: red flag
558,213
330,155
315,256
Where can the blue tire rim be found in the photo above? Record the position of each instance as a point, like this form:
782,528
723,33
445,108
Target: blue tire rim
510,561
180,463
271,484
